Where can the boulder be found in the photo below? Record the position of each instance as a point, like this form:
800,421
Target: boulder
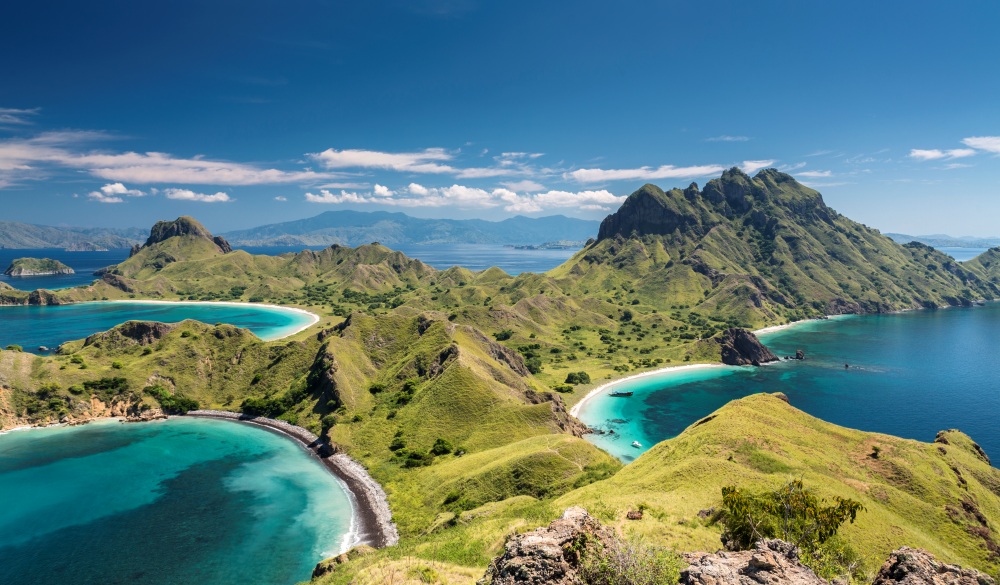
911,566
742,348
550,555
771,562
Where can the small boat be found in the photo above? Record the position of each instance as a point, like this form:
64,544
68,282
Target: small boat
621,393
637,444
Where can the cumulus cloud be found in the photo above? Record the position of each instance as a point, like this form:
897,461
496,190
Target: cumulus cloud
987,143
752,166
937,154
189,195
643,173
383,191
727,138
280,198
465,197
113,193
815,174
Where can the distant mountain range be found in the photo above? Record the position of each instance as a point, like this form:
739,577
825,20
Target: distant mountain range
946,241
354,228
25,235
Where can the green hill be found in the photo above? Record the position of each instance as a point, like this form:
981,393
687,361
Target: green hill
762,250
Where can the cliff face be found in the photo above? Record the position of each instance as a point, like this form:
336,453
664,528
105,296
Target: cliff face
182,226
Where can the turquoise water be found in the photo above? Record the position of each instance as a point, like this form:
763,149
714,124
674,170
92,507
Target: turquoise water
911,375
177,501
31,327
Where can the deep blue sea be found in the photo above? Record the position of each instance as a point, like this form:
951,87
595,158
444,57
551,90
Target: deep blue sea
911,375
179,501
472,256
34,326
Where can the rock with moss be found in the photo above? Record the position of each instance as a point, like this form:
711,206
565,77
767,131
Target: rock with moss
910,566
37,267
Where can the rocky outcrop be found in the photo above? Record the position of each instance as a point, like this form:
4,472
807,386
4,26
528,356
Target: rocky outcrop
771,562
37,267
910,566
742,348
130,333
549,555
182,226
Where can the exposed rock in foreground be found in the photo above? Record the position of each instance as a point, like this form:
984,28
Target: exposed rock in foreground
553,555
742,348
772,561
909,566
549,555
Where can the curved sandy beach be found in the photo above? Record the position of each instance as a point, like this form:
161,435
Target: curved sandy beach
313,317
575,410
371,518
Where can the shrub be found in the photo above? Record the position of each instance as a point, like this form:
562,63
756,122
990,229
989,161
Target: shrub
376,388
14,347
533,364
117,365
76,359
441,447
503,335
185,334
578,378
171,403
564,388
796,515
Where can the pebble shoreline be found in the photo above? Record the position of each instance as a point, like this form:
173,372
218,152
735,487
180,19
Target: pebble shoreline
373,518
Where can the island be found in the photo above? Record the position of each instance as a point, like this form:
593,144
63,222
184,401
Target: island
37,267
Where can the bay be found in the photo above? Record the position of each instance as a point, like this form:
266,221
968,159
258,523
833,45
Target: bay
911,375
177,501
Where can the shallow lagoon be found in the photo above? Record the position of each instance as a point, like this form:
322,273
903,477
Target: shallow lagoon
49,326
912,374
177,501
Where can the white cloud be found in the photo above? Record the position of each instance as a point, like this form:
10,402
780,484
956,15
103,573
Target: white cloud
790,168
752,166
188,195
643,173
464,197
987,143
937,154
815,174
280,198
383,191
16,116
953,166
426,161
727,138
113,192
30,157
525,185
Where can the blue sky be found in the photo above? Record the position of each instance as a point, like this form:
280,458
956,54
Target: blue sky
250,112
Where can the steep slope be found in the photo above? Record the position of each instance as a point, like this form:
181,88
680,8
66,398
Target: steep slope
762,250
354,228
942,496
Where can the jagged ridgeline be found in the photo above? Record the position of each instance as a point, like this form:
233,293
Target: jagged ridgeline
763,249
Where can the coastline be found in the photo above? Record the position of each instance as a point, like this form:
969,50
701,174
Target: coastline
371,518
313,317
575,410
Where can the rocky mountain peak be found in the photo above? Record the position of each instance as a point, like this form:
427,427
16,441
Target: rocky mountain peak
182,226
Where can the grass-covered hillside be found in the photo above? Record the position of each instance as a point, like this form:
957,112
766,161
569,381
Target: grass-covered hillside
942,496
761,250
36,266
